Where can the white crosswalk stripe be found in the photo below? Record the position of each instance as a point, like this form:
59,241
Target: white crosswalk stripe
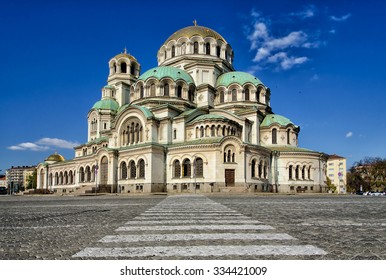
195,218
198,236
201,251
192,227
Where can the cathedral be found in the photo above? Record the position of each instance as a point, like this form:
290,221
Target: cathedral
192,124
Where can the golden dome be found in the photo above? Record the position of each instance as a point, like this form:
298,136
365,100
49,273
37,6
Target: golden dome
191,31
55,157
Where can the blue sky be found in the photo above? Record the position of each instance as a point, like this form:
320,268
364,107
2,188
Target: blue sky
323,60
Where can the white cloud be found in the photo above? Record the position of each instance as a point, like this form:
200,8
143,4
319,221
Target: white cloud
308,12
342,18
43,144
286,62
28,146
55,142
277,50
349,134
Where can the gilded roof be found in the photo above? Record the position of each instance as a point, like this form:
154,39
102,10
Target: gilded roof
191,31
237,77
55,157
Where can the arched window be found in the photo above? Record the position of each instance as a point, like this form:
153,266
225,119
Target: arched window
218,51
179,91
88,174
177,169
290,172
123,170
288,136
50,180
304,172
247,94
199,167
253,166
173,51
274,136
207,48
152,90
133,170
141,164
57,179
222,97
165,55
202,131
183,48
141,93
132,69
71,177
81,175
257,95
191,95
65,178
265,171
186,168
115,68
260,169
123,67
213,131
195,48
297,172
60,177
234,94
166,89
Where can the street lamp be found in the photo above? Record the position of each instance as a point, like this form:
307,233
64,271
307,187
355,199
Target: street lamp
194,173
96,177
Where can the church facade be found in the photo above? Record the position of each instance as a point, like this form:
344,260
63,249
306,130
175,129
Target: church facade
191,124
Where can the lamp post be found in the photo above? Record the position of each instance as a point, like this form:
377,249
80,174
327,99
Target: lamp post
194,173
96,177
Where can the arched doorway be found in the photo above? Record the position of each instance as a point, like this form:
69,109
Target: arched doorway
104,171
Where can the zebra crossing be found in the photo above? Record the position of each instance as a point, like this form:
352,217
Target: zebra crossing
194,226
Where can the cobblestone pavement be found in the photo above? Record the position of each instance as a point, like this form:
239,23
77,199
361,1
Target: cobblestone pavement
193,227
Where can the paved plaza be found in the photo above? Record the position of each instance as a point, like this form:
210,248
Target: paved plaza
286,227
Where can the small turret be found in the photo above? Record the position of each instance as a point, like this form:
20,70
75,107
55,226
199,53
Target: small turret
124,71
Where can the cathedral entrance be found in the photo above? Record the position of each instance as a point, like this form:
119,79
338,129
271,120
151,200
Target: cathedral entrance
229,177
104,170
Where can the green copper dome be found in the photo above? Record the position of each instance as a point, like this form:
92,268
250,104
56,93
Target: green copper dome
167,71
106,104
273,118
237,77
209,117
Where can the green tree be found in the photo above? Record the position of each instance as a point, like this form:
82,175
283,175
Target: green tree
330,185
32,181
370,173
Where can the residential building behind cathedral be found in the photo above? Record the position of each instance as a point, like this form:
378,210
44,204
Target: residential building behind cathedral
191,124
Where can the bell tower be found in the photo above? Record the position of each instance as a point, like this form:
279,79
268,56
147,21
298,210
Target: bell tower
124,70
